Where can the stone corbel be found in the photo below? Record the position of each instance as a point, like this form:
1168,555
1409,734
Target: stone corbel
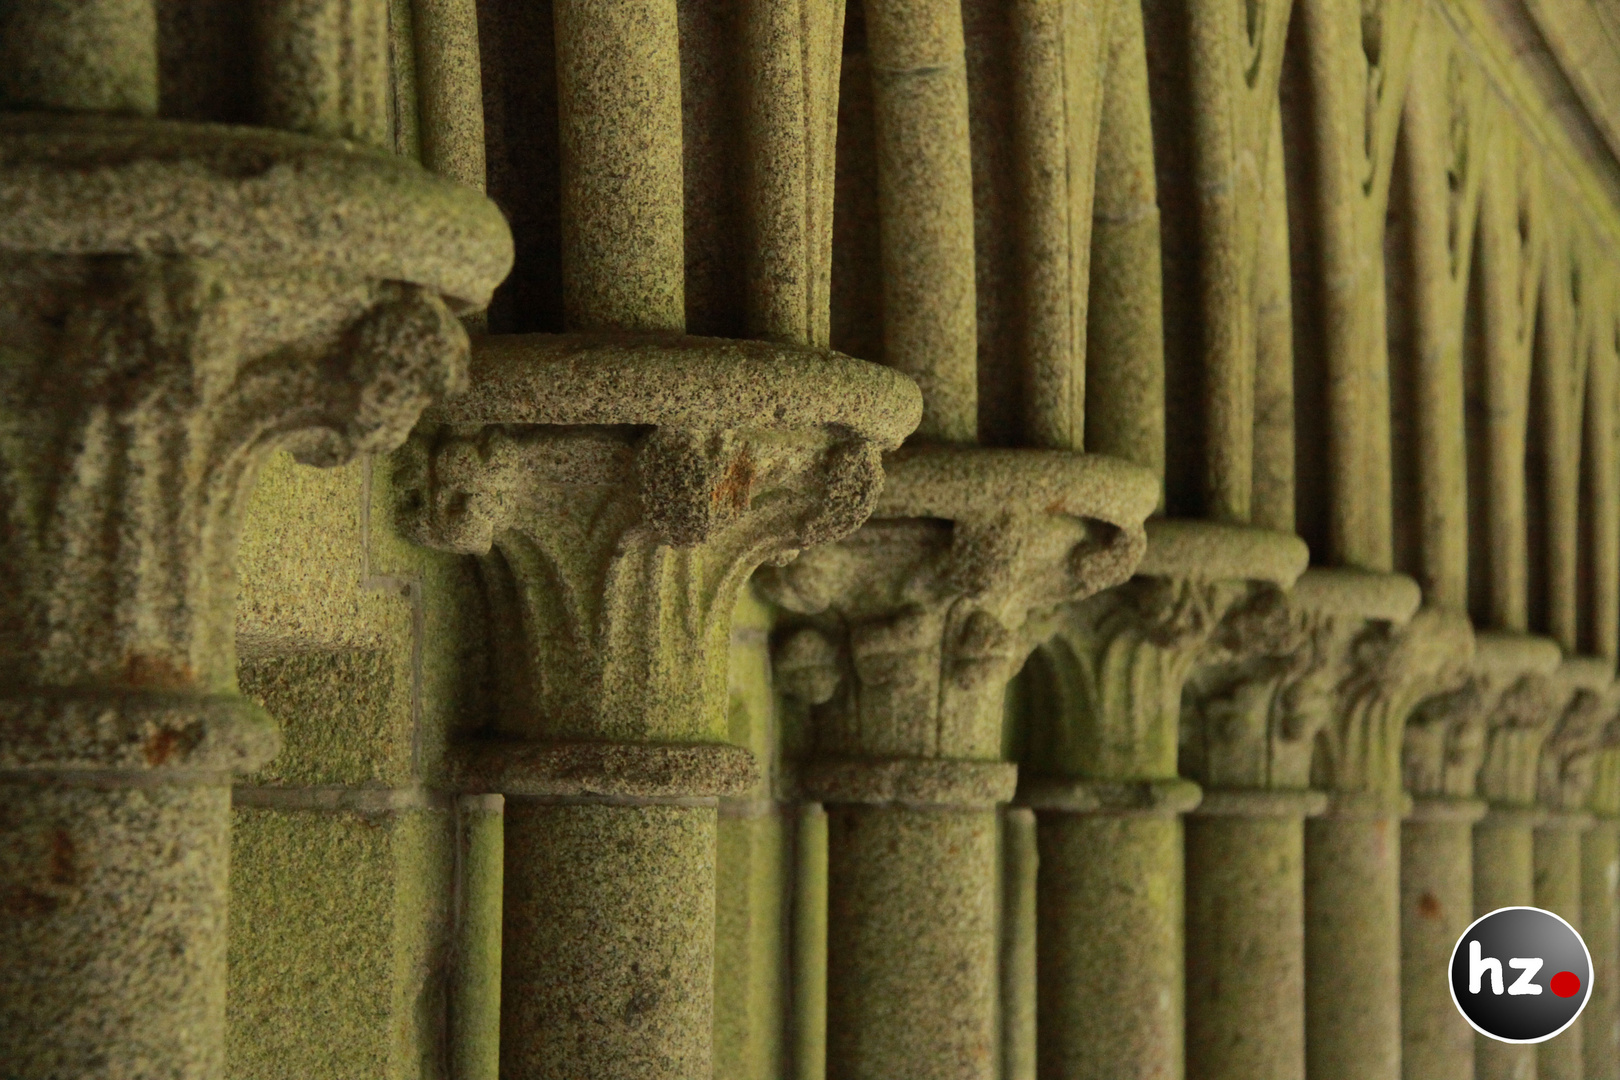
177,301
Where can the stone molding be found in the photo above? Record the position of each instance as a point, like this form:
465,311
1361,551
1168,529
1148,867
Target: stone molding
618,490
1518,730
1156,798
910,782
614,770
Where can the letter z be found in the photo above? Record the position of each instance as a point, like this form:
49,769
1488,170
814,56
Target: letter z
1528,965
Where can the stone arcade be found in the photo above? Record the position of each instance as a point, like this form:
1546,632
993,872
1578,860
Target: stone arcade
803,539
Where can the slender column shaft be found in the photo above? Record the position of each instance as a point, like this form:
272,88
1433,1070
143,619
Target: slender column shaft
1439,190
619,116
1246,935
791,59
810,945
1603,500
1557,862
1437,904
1352,948
609,941
1053,338
80,56
925,205
1600,926
115,931
912,943
1504,876
450,88
1273,486
321,67
1508,262
475,994
1109,943
1124,374
1020,863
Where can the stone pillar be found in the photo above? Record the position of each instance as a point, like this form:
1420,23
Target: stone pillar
1345,77
1352,853
180,300
1569,757
1442,750
475,993
1249,733
921,619
1104,699
1503,838
611,557
1600,913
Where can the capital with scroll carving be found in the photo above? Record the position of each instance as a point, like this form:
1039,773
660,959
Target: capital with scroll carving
618,490
921,618
177,301
1106,690
1520,725
1310,689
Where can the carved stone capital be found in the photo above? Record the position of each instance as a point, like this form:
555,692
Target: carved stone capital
618,490
1307,683
1106,689
1392,669
1604,800
1569,755
910,629
1444,744
176,302
1524,717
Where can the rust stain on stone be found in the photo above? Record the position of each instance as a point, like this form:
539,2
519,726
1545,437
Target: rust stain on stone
25,902
1429,906
160,747
737,485
148,672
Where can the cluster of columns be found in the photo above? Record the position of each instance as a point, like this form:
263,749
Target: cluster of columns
1271,577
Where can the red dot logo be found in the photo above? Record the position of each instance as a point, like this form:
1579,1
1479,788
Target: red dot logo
1565,984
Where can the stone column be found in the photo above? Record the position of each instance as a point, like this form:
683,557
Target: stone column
1346,77
1100,770
1442,750
1564,786
1214,82
1503,838
1352,853
179,301
611,556
1252,722
1600,912
922,618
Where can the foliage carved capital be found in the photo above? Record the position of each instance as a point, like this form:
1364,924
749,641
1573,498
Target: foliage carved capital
615,517
177,302
910,629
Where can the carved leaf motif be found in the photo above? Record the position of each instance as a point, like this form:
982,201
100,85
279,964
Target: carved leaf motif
141,394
